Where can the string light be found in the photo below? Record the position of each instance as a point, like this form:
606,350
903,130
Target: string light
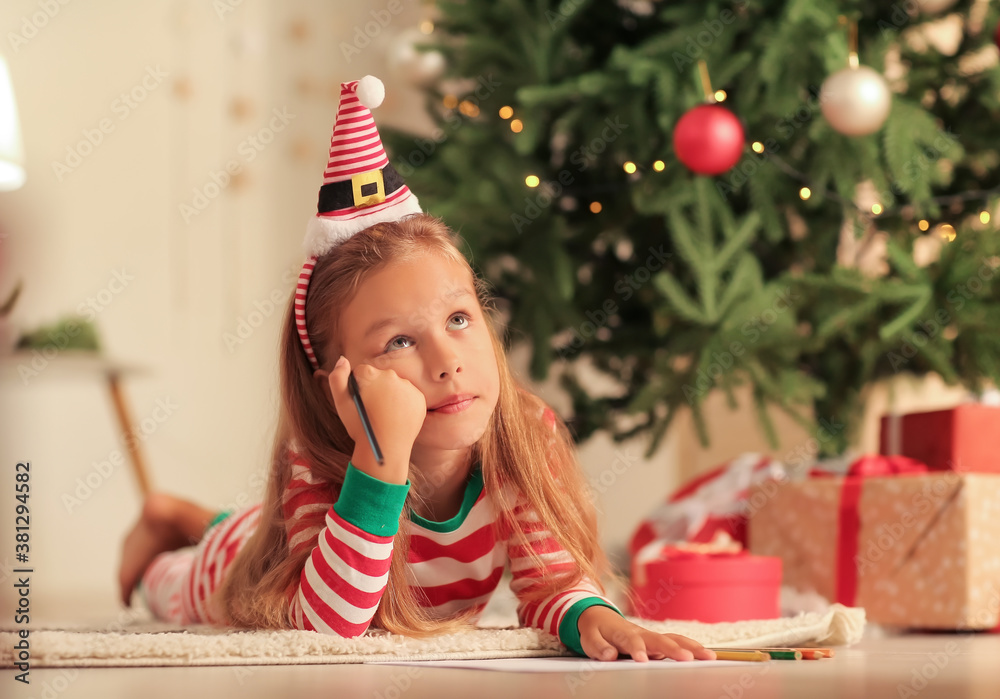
984,216
506,112
468,109
516,125
531,180
758,147
720,95
450,101
427,26
629,167
948,232
658,165
923,224
876,209
805,193
595,207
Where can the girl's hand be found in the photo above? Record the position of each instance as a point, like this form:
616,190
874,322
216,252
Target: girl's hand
604,634
396,409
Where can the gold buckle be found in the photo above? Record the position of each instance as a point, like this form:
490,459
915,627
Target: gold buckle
370,177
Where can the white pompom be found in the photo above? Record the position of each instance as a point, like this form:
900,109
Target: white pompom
370,91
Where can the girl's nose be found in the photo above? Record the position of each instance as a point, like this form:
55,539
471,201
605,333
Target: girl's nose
445,359
452,366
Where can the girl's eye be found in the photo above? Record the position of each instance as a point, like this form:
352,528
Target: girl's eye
463,316
392,346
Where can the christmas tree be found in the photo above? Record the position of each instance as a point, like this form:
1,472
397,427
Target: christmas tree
830,251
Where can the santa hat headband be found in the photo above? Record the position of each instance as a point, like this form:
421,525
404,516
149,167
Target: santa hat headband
360,187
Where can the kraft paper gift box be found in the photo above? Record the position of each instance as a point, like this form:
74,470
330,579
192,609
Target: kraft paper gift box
958,439
916,551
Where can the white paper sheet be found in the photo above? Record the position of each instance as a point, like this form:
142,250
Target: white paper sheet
562,664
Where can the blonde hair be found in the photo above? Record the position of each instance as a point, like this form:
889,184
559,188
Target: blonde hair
518,452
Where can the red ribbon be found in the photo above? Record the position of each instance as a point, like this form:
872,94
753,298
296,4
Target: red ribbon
849,522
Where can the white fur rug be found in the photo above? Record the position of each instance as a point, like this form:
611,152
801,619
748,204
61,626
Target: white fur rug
148,643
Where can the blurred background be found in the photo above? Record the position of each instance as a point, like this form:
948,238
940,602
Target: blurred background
173,152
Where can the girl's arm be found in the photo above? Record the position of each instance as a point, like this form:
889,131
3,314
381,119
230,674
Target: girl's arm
346,573
558,613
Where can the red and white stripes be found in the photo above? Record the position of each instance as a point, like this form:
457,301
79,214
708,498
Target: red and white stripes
347,572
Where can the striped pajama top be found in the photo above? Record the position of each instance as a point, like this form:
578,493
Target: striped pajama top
454,565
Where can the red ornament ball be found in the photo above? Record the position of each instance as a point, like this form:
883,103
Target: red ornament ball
709,139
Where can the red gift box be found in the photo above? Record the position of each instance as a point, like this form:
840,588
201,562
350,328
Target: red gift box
959,439
706,587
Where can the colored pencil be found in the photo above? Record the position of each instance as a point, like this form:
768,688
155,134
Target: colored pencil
823,652
755,656
352,387
775,653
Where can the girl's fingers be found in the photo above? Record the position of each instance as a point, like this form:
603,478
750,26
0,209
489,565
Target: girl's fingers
698,651
338,388
596,647
632,643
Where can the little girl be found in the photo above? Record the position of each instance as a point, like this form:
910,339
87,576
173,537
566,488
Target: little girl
477,472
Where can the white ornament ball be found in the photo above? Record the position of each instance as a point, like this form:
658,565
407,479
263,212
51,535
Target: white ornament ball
856,101
407,63
370,91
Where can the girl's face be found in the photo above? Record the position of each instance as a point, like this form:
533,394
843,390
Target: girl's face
422,319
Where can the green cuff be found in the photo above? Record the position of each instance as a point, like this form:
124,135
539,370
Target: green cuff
372,505
569,630
218,518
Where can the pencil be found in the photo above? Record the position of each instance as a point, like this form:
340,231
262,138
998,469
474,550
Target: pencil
755,656
775,653
816,653
352,387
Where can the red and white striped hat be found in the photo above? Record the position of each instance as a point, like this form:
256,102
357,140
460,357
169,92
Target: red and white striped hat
360,187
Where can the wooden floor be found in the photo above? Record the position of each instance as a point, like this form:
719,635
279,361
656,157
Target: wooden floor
948,666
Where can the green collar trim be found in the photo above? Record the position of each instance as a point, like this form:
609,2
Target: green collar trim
472,491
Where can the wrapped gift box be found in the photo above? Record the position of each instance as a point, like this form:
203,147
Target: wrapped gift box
706,587
958,439
916,551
